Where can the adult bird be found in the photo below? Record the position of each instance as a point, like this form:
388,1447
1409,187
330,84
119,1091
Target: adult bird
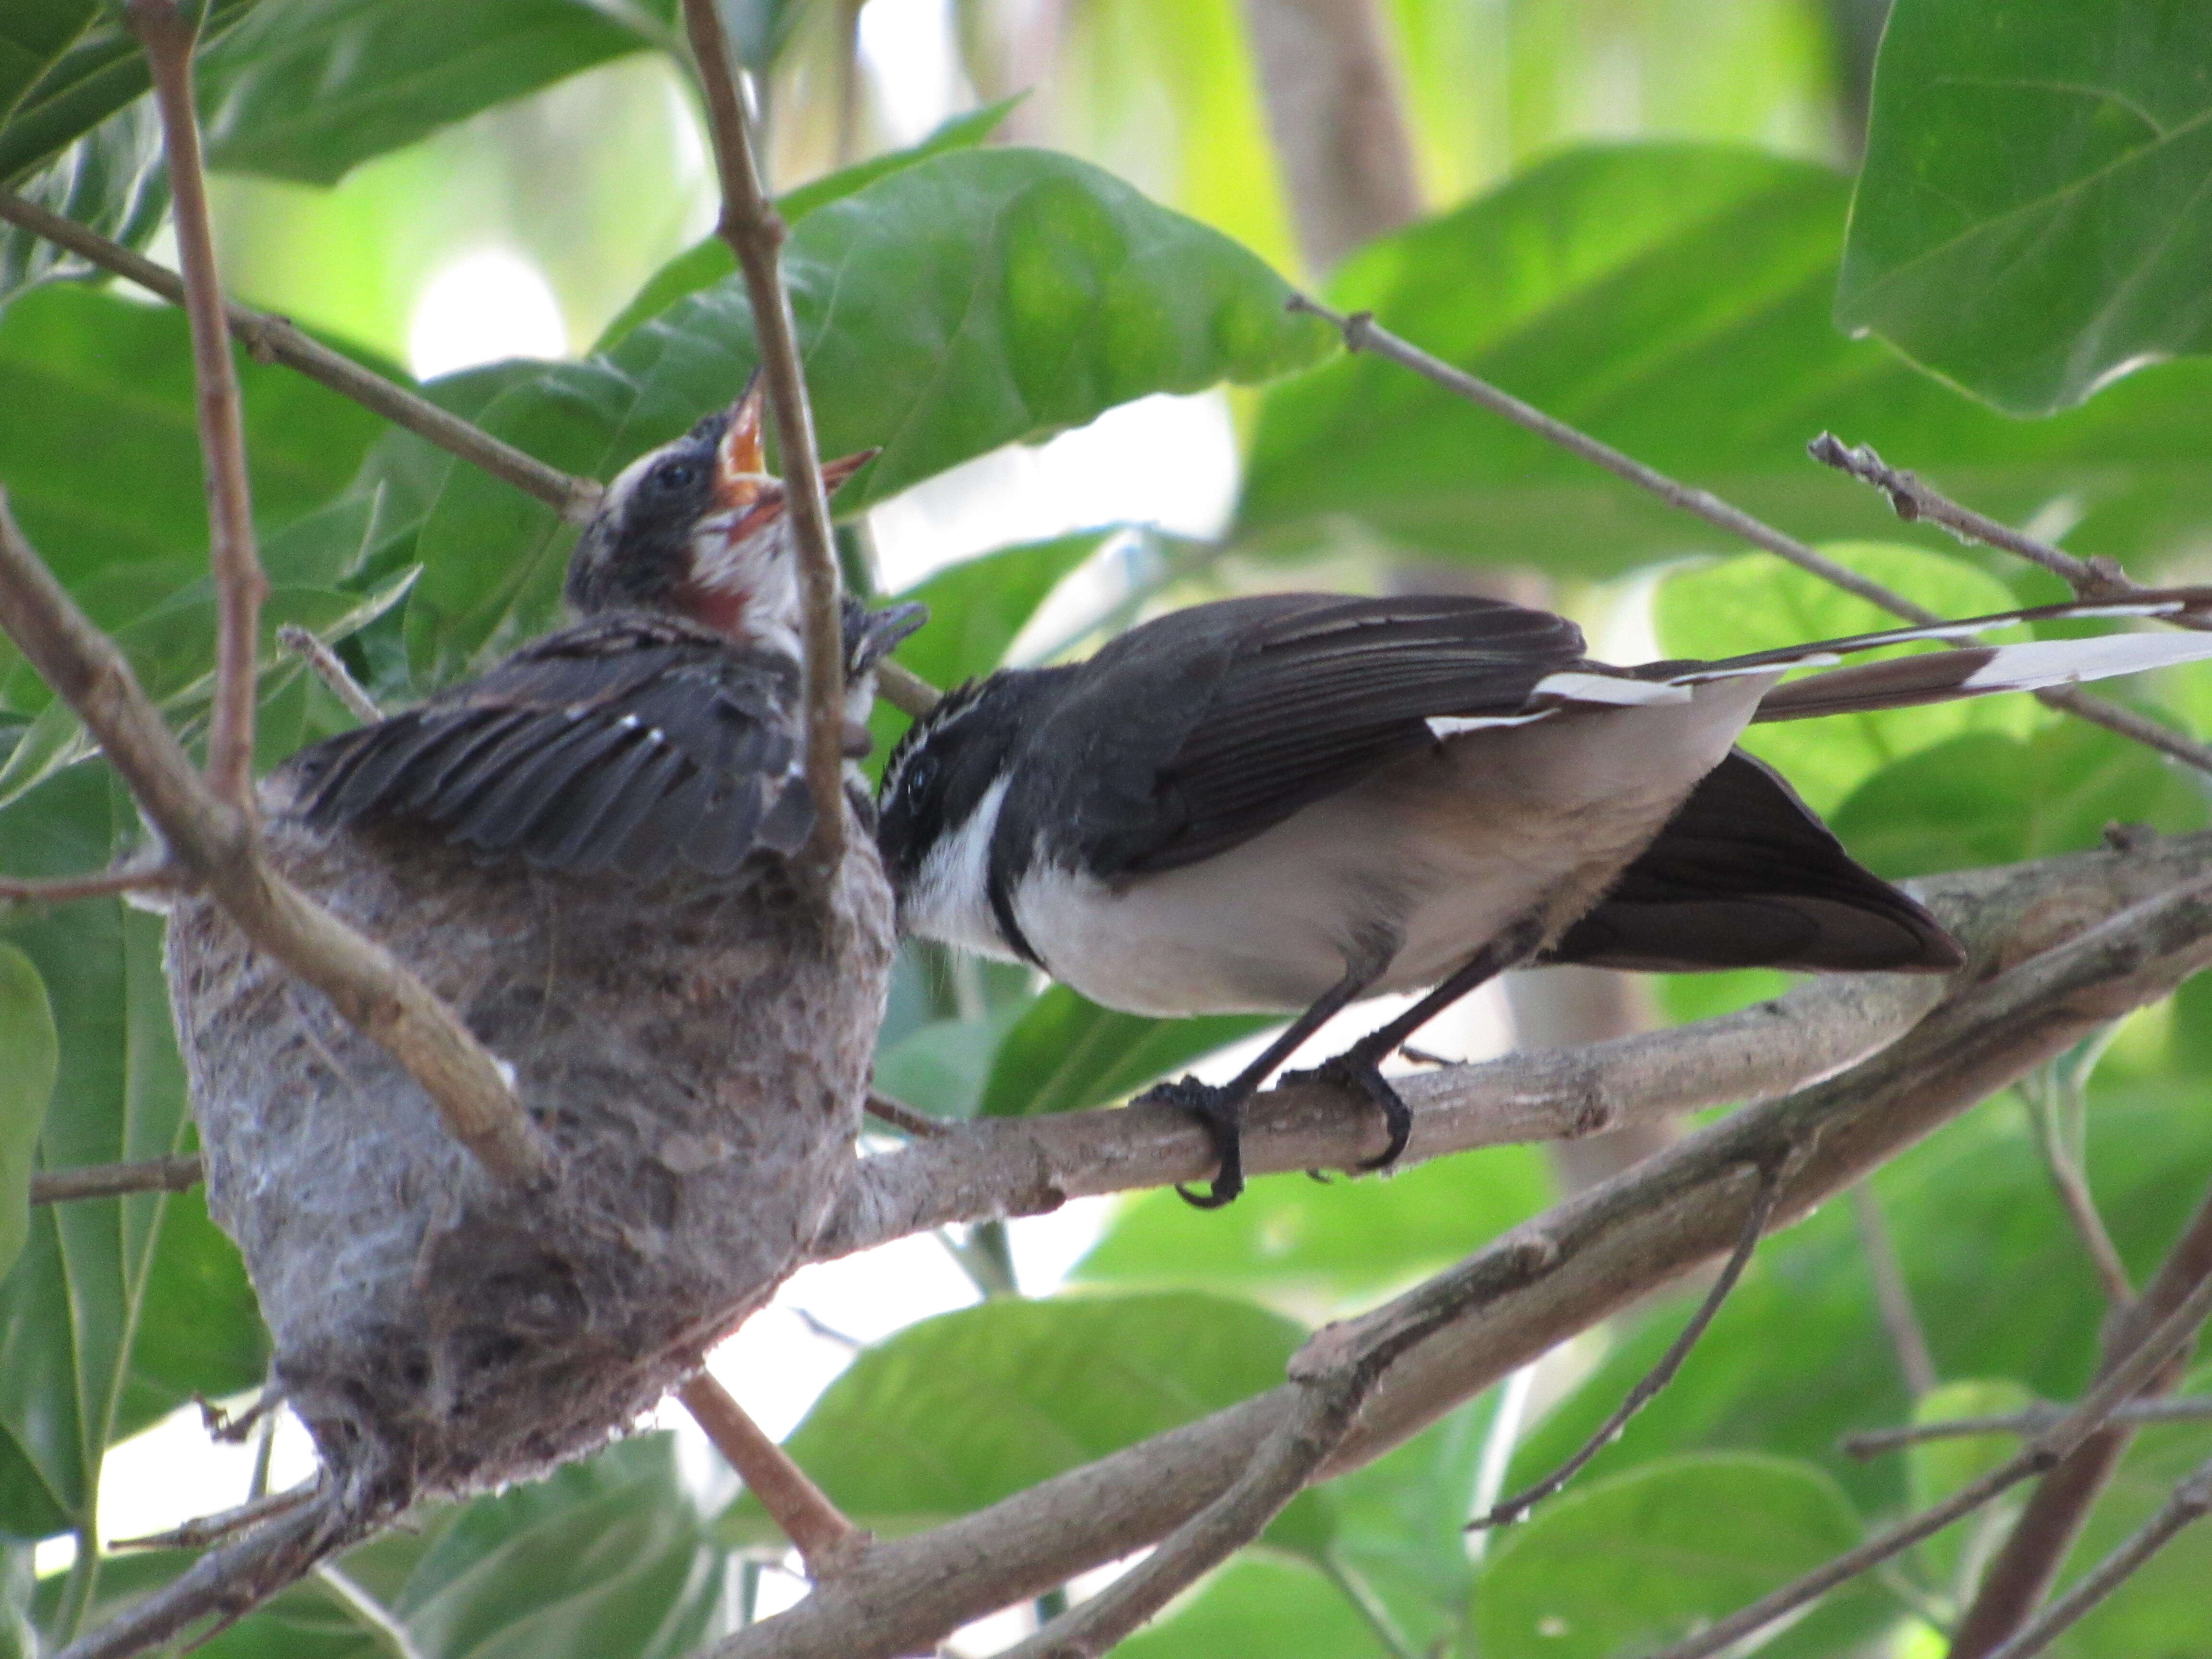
588,852
1285,803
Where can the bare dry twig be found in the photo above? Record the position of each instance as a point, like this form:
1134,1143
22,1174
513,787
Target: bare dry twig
153,1175
825,1539
167,40
1873,1443
756,232
1362,333
215,845
276,339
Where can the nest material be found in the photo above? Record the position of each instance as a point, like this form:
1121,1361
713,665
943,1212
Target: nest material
695,1052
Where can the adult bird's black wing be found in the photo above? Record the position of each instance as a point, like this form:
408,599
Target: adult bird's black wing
1212,724
1744,876
629,744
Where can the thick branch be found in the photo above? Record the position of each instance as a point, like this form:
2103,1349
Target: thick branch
275,339
240,587
216,845
153,1175
755,232
1362,333
1604,1250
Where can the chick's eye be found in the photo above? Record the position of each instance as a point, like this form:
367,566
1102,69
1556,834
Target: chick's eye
919,777
672,476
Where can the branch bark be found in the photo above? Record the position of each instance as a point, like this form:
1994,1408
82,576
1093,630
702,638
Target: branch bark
215,844
825,1539
2148,919
276,339
153,1175
756,232
137,876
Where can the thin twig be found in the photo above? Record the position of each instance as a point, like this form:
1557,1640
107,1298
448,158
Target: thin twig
904,689
825,1539
1647,1388
198,1534
167,40
1873,1443
276,339
153,1175
2024,1570
1362,333
216,845
903,1117
2047,1449
756,233
137,876
1915,500
2189,1503
303,644
1892,1295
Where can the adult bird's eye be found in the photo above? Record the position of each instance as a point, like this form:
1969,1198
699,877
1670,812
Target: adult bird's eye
675,475
919,777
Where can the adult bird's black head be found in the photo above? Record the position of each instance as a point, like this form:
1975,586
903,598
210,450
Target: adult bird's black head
696,529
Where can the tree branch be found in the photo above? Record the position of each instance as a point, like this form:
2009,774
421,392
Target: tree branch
216,845
755,232
135,876
1603,1250
1362,333
2190,1502
330,670
1916,1366
276,339
2024,1569
1873,1443
167,40
153,1175
825,1539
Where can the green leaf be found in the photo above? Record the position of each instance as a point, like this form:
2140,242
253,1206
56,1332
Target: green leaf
1068,1054
308,89
1673,300
109,473
2032,219
957,1411
1984,798
1294,1242
977,608
71,1310
976,299
26,1083
1256,1606
111,181
943,1066
66,66
1935,1469
708,261
1631,1564
1756,601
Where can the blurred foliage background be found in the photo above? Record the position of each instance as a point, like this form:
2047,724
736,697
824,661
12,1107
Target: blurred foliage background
1704,229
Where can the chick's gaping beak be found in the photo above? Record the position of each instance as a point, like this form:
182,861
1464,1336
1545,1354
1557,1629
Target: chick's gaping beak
742,484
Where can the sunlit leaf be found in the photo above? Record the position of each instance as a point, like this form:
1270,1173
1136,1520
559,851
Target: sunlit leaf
1260,1607
2033,218
111,180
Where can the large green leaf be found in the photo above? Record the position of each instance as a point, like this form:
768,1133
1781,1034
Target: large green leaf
957,1411
1067,1053
1256,1607
308,88
1295,1242
100,455
26,1083
1673,300
2034,216
977,299
66,66
1755,601
74,1306
1631,1564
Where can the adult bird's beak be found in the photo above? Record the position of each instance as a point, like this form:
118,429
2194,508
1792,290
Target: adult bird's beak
742,484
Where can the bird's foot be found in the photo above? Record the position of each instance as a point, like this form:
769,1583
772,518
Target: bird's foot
1221,1110
1358,1071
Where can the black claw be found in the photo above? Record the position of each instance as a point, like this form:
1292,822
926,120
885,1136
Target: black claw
1221,1110
1360,1073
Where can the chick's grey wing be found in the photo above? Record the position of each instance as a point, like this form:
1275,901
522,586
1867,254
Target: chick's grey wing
631,747
1288,699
